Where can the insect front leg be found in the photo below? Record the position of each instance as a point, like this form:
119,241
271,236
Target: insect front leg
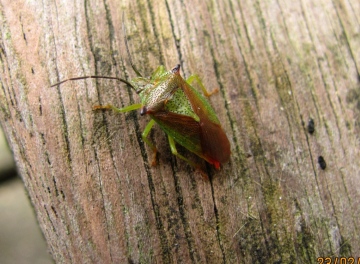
128,109
119,110
195,77
147,141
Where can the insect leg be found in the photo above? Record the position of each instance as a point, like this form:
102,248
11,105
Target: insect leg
147,141
174,152
158,72
195,77
119,110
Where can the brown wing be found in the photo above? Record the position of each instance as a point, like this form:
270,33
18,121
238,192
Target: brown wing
214,142
184,129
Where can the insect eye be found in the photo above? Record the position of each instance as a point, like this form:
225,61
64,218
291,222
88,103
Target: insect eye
143,110
176,69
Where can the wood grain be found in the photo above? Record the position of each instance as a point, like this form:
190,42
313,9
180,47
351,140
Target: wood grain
88,174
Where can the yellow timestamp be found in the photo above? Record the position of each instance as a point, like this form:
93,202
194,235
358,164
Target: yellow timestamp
338,260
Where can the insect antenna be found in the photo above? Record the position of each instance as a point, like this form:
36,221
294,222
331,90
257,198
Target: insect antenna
127,47
95,77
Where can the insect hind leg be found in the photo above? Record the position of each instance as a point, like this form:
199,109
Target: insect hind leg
174,152
194,165
195,77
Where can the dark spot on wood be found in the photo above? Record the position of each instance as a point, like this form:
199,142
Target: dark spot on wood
311,126
56,190
322,162
40,107
62,194
53,209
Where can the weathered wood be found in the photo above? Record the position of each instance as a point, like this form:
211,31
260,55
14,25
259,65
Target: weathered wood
277,64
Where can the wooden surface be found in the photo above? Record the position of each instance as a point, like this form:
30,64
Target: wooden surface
277,64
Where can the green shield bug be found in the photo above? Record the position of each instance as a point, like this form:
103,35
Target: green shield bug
179,109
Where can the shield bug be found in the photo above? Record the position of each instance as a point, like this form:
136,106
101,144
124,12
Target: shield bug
179,109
